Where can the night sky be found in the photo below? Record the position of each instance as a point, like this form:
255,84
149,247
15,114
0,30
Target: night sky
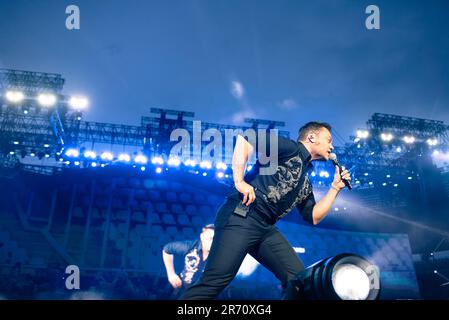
292,61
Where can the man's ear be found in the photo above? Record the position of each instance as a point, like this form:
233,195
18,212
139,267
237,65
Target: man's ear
312,138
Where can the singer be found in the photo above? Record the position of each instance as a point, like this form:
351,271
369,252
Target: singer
246,221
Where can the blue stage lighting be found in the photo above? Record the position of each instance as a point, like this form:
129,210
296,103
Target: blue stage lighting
174,162
90,154
107,156
205,164
189,163
124,157
158,170
141,159
157,160
221,166
72,153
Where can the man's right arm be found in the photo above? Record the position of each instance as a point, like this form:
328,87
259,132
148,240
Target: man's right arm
173,278
168,252
242,152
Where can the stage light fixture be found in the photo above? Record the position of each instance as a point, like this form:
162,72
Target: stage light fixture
432,142
174,162
221,166
90,154
106,156
189,163
72,153
205,164
46,99
124,157
158,170
409,139
14,96
78,103
220,175
157,160
362,134
141,159
387,137
343,277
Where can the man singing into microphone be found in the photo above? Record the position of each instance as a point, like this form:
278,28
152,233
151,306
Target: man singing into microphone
246,221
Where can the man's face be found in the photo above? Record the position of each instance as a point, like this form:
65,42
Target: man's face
206,239
323,144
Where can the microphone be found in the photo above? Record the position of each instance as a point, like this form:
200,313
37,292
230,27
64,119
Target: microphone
333,158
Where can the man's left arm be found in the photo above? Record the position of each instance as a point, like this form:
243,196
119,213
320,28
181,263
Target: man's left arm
323,206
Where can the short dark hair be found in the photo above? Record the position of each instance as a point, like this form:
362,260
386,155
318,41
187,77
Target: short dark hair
312,126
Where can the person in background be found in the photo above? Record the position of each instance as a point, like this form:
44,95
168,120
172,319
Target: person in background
194,253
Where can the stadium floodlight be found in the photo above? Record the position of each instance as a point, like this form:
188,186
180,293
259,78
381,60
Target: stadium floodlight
78,103
141,159
342,277
362,134
157,160
432,142
221,166
124,157
387,137
189,163
106,156
72,153
409,139
205,164
14,96
90,154
46,99
174,162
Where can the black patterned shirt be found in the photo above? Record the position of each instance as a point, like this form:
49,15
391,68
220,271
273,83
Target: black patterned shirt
289,186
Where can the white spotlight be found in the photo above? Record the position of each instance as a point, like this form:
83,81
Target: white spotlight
362,134
221,165
386,137
78,103
205,164
106,156
141,159
46,99
124,157
220,175
189,163
175,162
157,160
72,153
14,96
409,139
432,142
90,154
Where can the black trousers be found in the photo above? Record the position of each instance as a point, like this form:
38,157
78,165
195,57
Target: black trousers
235,236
